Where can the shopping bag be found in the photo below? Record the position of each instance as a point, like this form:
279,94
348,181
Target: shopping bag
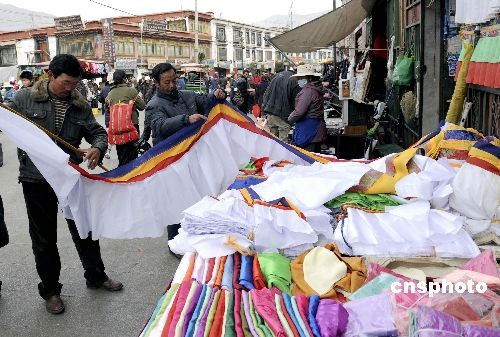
404,70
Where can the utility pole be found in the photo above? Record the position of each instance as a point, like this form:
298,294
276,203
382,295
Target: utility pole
142,30
335,50
196,31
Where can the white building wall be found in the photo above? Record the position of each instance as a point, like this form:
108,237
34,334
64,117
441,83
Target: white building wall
52,46
24,50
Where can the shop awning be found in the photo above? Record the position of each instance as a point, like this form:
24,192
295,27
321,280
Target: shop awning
326,30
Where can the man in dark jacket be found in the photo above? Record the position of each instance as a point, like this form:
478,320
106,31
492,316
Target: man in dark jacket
56,105
170,110
278,102
102,98
4,235
123,93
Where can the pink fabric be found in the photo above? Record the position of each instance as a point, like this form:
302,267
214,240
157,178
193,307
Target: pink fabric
303,306
265,306
238,325
183,294
484,263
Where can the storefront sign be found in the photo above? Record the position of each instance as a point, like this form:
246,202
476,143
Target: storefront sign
152,62
154,26
73,22
125,63
107,40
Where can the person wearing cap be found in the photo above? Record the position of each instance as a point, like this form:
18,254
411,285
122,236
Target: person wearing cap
124,94
56,105
308,115
27,79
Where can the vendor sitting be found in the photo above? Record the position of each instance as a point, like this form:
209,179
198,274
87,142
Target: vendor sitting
308,115
169,110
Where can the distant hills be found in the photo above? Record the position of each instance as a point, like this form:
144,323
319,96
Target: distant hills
284,20
14,18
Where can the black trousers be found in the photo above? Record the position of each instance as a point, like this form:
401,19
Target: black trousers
127,152
42,207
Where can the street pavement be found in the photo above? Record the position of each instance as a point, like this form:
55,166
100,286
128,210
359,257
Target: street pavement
143,265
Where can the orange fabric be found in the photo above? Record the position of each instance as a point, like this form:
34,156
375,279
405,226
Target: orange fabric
189,271
258,279
220,271
216,330
166,328
288,318
211,265
354,279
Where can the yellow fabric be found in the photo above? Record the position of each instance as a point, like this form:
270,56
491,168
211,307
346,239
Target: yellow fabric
457,100
322,269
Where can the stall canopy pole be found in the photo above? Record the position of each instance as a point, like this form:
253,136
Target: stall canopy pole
284,54
335,51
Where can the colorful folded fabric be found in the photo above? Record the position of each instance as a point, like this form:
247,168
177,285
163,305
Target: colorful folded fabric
227,277
218,317
289,319
281,316
175,312
248,317
227,297
480,331
202,319
297,315
244,323
162,311
182,268
265,306
236,271
258,322
303,306
311,315
199,265
276,270
354,279
316,273
211,314
374,287
331,318
215,271
220,273
246,278
258,279
237,313
190,269
177,331
229,330
291,312
210,270
427,322
203,299
193,303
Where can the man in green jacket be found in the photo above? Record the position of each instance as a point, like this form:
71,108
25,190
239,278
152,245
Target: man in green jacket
124,94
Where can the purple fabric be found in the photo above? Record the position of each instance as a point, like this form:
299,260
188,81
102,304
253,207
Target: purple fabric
246,306
480,331
203,322
191,307
430,323
371,316
331,318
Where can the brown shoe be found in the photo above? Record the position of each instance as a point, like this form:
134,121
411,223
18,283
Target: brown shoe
54,305
112,285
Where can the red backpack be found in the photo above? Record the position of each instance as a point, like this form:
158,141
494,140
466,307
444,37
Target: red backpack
121,129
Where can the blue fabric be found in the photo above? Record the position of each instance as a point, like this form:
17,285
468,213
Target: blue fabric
196,313
311,315
305,131
155,312
227,276
288,304
246,272
9,96
240,183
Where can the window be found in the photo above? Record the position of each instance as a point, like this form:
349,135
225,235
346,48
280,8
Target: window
278,56
222,54
253,38
8,55
179,25
259,39
178,51
203,27
268,36
269,55
247,35
124,48
205,49
238,54
153,49
221,34
253,55
260,56
247,54
237,35
77,47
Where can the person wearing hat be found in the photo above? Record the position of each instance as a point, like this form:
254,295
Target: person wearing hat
308,115
124,94
27,79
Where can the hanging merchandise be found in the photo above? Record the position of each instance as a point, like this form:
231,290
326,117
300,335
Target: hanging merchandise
404,70
457,99
482,11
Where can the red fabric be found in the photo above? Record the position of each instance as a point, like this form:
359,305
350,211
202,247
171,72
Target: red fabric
166,327
459,308
238,325
256,110
491,70
236,272
303,306
471,72
288,318
211,265
497,77
121,129
216,330
179,306
259,281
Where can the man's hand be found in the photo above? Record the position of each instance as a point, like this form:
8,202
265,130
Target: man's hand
219,94
92,156
196,117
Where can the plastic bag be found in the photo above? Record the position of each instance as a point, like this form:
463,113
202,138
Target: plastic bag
404,70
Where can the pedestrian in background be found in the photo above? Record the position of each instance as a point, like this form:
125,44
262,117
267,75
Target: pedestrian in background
27,79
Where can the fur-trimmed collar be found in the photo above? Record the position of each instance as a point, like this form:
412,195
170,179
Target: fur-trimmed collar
40,93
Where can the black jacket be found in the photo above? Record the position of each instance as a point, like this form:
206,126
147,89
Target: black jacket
279,98
79,123
167,114
4,235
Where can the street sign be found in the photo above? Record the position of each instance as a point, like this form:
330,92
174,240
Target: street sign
154,26
108,40
152,62
73,22
125,63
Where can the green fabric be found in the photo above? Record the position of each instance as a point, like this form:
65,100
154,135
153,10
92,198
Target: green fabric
486,50
269,329
284,322
124,94
256,325
276,271
244,323
259,320
211,314
403,70
374,202
208,294
230,330
167,299
374,287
